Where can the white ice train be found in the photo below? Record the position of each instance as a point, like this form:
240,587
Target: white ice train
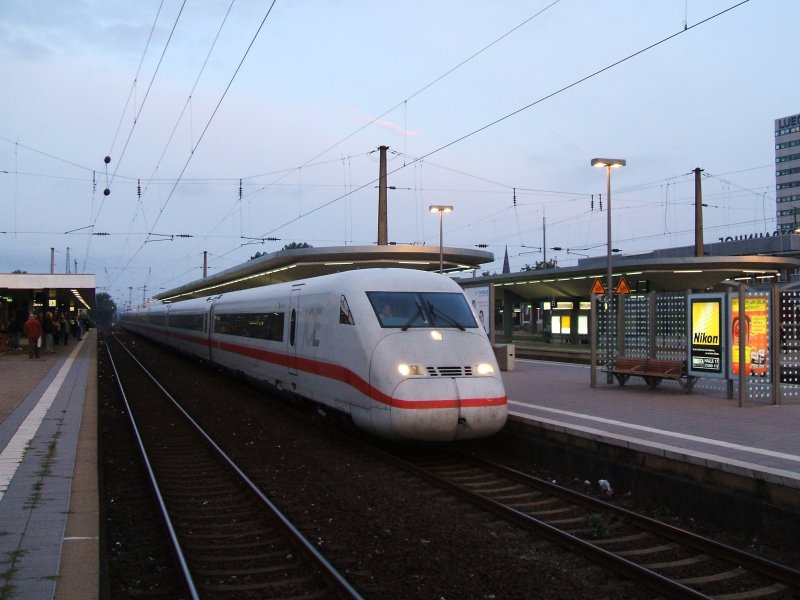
398,350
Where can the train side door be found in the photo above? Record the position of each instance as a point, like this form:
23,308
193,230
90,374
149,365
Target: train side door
208,326
293,338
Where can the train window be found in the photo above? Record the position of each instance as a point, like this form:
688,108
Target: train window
263,326
449,310
155,319
422,309
186,321
292,327
345,316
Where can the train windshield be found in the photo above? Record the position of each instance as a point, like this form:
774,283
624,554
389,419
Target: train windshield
422,309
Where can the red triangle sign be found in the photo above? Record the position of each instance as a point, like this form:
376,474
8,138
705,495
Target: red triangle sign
598,288
622,286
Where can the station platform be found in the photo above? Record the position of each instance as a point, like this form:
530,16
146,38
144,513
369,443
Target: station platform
49,510
758,441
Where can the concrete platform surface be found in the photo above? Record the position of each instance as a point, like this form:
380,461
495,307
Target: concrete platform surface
757,440
49,515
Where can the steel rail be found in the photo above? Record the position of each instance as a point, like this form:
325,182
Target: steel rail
654,581
335,580
768,568
176,545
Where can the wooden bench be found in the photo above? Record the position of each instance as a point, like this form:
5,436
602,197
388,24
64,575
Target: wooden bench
652,370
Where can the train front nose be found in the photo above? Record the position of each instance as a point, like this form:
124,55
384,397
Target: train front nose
448,408
436,387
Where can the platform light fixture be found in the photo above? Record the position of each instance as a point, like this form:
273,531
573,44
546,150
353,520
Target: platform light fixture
441,209
608,164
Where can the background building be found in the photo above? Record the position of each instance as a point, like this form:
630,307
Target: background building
787,172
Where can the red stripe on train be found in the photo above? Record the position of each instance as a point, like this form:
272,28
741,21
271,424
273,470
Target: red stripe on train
337,373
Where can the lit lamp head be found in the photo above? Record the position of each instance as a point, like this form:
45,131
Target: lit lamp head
612,163
442,209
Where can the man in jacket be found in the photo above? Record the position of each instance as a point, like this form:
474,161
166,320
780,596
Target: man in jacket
33,331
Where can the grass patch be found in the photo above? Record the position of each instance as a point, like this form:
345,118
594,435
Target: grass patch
7,586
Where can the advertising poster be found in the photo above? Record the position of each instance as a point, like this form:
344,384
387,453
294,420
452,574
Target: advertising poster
706,335
479,301
756,331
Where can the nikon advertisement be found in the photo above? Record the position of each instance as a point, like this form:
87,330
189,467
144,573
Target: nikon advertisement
706,345
714,332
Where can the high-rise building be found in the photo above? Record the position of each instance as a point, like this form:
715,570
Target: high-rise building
787,172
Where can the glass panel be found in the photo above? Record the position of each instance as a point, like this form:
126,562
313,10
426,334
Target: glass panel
187,321
422,309
264,326
449,310
345,316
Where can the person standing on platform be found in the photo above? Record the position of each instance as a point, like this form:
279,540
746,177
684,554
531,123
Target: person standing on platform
56,321
14,330
64,330
47,327
33,331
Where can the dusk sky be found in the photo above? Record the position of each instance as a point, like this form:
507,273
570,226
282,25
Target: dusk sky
495,107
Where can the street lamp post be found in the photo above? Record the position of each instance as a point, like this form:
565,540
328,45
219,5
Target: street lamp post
441,209
608,164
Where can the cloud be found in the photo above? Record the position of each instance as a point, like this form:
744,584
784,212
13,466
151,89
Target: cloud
384,124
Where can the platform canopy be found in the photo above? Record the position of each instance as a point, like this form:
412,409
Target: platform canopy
649,274
49,290
301,263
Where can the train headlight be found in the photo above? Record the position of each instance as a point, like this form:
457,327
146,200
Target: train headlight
407,370
484,369
436,335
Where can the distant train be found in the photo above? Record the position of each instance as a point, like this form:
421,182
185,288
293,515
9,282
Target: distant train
399,351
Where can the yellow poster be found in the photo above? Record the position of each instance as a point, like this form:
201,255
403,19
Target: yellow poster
756,336
705,350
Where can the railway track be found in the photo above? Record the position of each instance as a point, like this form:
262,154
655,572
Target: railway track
668,561
228,538
673,562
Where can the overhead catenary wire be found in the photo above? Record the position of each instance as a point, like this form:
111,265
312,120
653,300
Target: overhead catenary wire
433,82
180,116
402,103
307,184
210,119
133,126
524,108
119,160
135,79
743,193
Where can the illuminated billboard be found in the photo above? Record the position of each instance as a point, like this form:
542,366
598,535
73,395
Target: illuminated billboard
706,335
756,336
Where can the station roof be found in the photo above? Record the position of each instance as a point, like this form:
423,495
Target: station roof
656,274
703,273
300,263
81,287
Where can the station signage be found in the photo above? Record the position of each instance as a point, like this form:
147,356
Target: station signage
785,122
706,335
755,236
479,299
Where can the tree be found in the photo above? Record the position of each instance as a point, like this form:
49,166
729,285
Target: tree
542,264
290,246
104,310
295,245
550,264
